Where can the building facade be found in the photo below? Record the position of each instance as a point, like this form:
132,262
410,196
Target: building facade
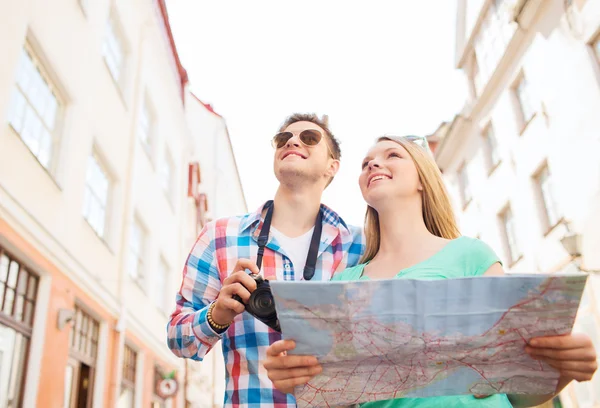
101,191
520,158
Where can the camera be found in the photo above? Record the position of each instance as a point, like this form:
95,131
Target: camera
261,303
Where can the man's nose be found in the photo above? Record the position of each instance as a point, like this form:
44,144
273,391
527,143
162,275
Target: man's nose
293,141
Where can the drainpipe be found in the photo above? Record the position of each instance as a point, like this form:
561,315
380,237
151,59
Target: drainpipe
127,185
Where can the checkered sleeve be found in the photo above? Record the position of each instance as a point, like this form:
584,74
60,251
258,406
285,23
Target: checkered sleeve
357,246
188,333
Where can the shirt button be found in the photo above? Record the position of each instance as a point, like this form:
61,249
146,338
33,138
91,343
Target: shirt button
287,266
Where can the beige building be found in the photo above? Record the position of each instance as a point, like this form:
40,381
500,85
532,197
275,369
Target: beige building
521,158
103,182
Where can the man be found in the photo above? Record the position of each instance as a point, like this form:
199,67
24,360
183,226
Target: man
307,157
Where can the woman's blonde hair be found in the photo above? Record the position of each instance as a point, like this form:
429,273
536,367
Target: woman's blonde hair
436,208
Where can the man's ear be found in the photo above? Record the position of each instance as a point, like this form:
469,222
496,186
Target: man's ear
334,167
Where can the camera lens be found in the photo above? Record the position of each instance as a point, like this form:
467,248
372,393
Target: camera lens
261,303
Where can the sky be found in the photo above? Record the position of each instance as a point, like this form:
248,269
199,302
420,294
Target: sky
373,67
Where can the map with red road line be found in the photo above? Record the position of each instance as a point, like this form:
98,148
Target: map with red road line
386,339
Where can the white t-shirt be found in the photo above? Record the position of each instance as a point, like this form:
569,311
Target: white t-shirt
296,249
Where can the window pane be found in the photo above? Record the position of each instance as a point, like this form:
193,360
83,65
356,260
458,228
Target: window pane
28,313
144,124
597,48
490,139
68,386
511,235
492,40
524,98
32,288
34,108
465,189
12,364
126,398
159,288
9,298
4,262
96,196
113,50
16,110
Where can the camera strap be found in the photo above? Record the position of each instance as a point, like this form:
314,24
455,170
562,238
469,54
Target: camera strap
313,250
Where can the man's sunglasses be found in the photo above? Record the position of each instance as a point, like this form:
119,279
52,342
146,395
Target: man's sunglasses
308,137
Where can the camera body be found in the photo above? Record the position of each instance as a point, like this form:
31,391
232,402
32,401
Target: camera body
261,304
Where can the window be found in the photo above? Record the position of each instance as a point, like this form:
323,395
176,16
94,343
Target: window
18,295
511,244
83,351
113,49
35,109
157,400
136,251
524,102
463,183
596,47
127,396
475,77
491,149
167,172
160,299
97,186
550,213
146,125
492,39
85,6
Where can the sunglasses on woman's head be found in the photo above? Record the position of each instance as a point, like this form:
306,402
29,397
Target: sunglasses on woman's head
418,140
308,137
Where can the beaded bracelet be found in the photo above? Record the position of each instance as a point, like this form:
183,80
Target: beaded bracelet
213,324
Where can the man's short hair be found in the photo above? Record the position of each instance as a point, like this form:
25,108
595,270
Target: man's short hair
322,122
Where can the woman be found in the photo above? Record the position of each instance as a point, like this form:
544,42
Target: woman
411,233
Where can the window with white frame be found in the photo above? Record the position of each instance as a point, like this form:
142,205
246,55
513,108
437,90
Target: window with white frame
85,6
475,76
596,47
160,299
491,148
463,184
35,108
113,49
511,243
146,124
127,395
97,186
167,176
523,97
493,37
550,212
137,242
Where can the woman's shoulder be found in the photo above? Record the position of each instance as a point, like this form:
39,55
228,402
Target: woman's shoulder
476,255
350,274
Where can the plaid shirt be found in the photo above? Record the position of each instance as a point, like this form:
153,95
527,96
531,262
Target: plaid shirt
213,257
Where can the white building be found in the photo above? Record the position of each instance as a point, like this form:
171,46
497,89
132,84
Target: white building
95,220
218,195
521,159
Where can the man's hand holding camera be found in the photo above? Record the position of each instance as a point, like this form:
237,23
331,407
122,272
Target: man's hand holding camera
238,283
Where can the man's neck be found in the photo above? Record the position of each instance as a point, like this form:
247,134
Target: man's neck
296,210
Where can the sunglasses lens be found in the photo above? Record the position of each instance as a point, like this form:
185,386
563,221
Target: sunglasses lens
310,137
281,139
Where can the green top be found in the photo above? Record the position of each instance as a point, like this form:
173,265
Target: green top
460,257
